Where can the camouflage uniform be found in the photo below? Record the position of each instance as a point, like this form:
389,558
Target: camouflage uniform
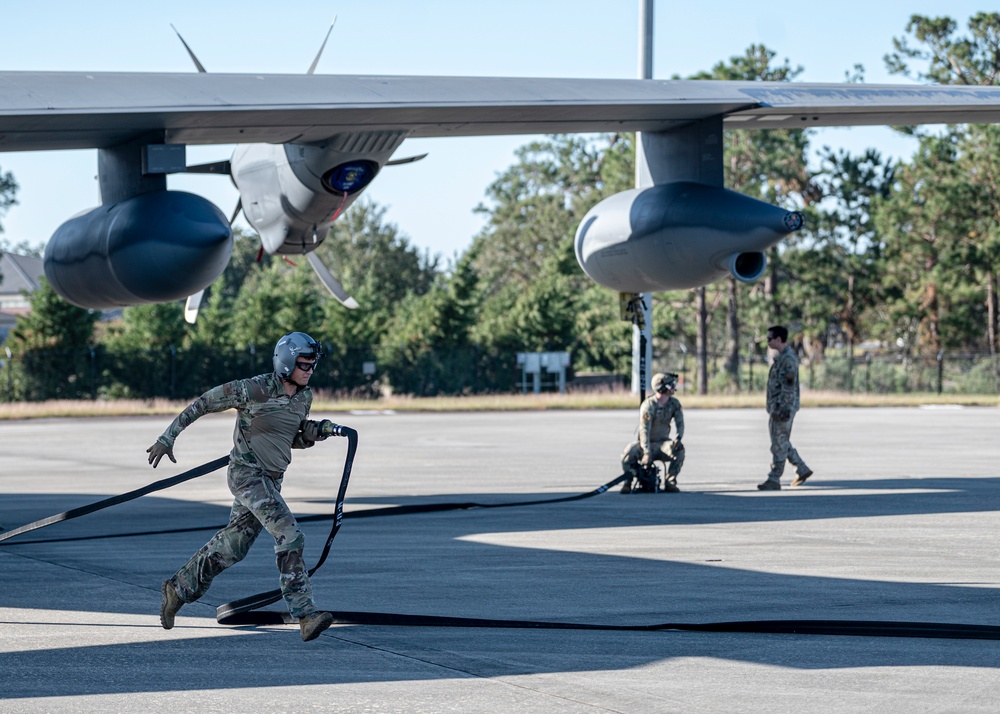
782,399
267,429
654,438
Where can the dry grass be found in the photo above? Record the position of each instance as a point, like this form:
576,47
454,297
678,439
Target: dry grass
498,402
86,408
839,399
625,400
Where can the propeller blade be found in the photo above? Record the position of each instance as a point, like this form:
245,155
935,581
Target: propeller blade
194,59
397,162
191,307
214,167
312,67
331,283
239,207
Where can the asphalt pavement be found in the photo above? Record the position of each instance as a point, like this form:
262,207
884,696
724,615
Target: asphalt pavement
899,523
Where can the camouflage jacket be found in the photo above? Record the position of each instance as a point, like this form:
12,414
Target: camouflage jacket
654,421
267,420
783,383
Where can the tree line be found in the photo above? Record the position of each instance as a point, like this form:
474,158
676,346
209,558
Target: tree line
903,255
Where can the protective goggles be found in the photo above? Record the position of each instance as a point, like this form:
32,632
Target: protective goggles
306,366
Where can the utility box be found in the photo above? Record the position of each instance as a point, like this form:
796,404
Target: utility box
535,364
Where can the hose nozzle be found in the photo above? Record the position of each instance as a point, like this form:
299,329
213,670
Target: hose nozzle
327,428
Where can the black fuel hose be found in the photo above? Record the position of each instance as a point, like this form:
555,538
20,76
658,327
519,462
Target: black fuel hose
245,611
245,605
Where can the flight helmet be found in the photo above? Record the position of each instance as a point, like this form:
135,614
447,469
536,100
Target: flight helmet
290,348
662,382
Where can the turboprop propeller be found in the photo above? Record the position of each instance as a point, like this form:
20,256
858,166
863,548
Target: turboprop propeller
294,195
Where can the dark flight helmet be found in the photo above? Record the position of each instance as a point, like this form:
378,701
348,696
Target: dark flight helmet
292,346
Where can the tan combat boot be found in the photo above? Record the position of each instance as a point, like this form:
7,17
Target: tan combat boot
313,624
170,604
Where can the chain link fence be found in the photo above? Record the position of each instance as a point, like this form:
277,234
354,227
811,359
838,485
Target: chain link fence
182,374
171,373
864,373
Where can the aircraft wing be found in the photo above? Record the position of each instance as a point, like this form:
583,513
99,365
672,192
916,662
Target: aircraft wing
77,110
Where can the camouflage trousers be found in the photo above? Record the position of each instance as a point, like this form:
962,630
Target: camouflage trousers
258,506
782,449
660,451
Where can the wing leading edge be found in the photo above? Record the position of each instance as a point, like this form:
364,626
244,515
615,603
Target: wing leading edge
75,110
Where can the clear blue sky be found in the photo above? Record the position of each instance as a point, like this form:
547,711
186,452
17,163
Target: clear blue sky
541,38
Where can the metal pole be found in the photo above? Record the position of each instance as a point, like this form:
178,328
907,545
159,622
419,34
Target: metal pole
173,371
702,341
10,375
642,366
642,344
684,364
850,369
645,39
642,337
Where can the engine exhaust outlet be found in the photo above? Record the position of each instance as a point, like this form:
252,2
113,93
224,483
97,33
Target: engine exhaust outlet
748,267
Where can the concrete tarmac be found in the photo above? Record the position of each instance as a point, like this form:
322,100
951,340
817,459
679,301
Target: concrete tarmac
899,523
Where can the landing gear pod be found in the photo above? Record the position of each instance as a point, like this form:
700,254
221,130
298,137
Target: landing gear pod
153,248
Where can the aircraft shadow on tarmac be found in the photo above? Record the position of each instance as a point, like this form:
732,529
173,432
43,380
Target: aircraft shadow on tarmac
429,564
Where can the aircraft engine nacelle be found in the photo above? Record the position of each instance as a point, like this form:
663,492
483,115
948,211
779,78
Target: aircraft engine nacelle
152,248
291,193
679,235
